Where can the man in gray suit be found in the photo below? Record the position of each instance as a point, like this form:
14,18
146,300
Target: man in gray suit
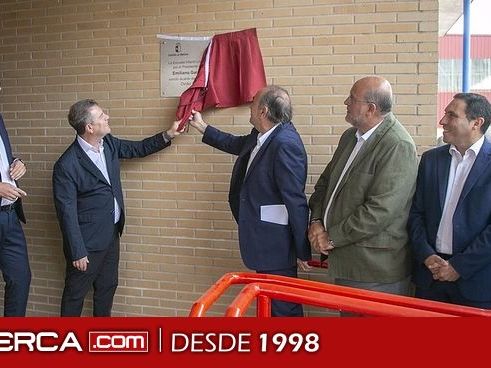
361,202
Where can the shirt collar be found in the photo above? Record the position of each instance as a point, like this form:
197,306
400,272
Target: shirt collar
86,146
476,147
261,137
367,135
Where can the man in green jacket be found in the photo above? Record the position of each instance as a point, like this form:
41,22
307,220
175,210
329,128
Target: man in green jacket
361,202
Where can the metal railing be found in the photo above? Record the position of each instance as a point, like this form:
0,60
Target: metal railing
265,287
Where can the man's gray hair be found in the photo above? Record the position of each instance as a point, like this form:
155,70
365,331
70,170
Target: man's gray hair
79,115
279,105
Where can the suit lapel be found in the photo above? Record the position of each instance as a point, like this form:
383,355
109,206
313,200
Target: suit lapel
367,147
442,171
373,141
240,166
109,163
5,139
479,167
263,148
339,166
87,163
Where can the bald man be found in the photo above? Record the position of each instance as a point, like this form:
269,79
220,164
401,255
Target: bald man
361,202
267,189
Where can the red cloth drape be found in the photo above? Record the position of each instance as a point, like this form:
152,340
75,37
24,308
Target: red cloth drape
230,73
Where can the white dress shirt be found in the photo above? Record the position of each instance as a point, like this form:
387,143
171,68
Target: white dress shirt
5,171
459,171
261,138
361,139
96,155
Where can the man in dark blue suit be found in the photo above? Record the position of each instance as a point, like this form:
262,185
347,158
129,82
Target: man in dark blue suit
14,261
450,219
89,205
267,189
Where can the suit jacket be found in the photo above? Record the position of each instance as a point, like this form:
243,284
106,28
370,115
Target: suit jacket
6,142
471,221
276,177
84,200
367,218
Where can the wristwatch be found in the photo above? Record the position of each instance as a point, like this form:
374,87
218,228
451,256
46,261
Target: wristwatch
314,220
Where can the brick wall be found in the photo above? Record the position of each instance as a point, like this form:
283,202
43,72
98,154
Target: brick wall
180,236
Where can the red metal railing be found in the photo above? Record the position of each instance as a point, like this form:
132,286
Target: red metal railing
267,287
325,300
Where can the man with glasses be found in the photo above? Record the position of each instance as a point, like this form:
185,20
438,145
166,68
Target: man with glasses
361,201
89,205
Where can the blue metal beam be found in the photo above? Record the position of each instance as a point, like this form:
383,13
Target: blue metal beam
466,55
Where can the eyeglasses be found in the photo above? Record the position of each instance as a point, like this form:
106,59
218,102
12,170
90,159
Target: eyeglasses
351,99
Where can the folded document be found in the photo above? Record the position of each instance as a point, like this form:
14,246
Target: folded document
276,213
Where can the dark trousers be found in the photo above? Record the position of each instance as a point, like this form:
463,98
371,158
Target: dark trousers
14,264
448,292
280,308
101,274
